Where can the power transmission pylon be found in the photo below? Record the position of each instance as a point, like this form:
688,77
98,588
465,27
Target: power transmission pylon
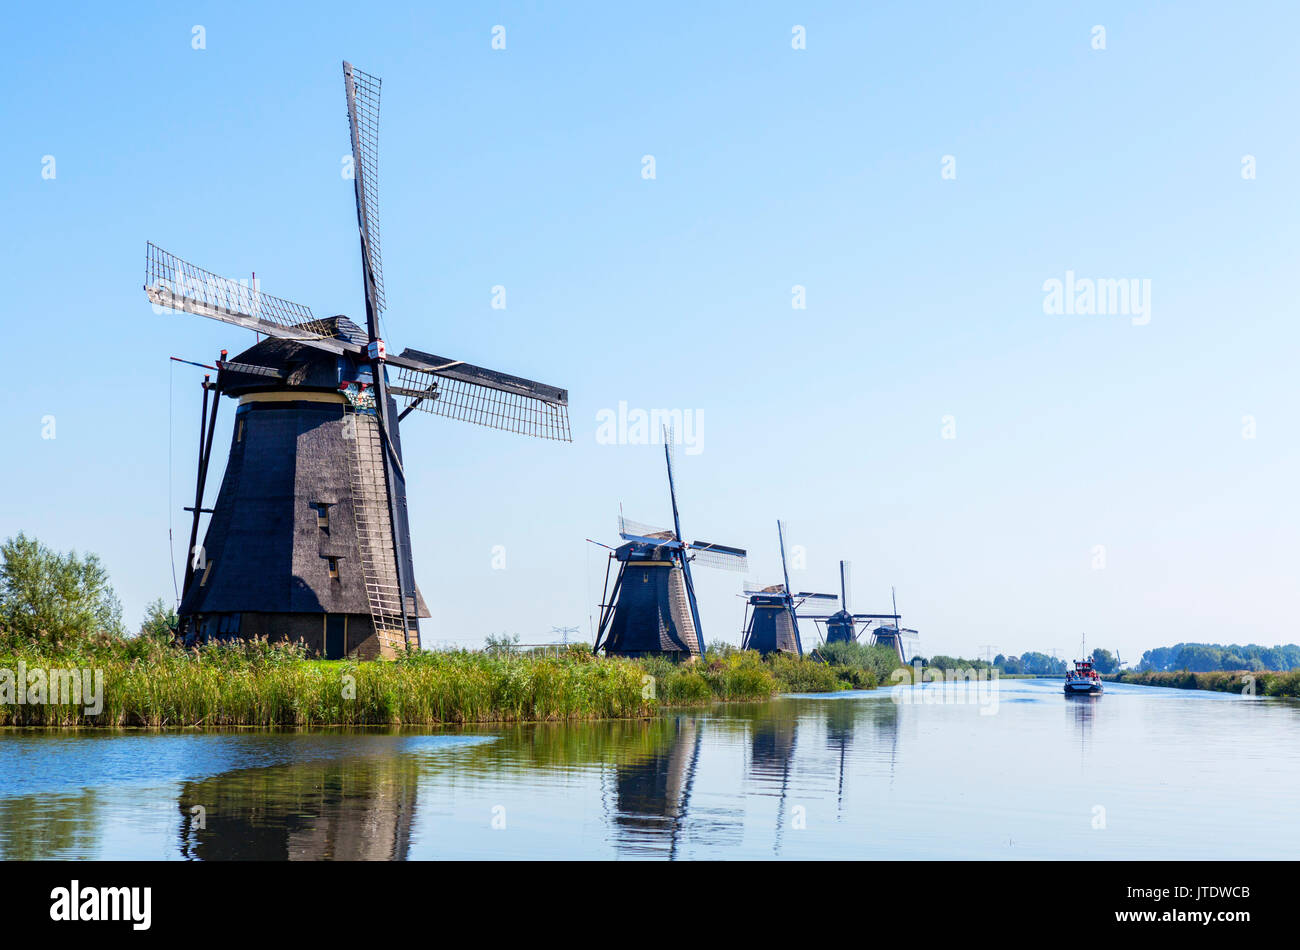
564,632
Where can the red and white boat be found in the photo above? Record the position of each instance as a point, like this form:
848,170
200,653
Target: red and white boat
1083,679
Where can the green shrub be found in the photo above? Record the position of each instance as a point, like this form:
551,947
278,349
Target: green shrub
879,661
685,687
795,674
53,600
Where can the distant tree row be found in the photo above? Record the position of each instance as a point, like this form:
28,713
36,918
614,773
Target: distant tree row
1031,663
1210,657
1194,657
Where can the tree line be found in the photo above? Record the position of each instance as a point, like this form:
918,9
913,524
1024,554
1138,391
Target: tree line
1212,657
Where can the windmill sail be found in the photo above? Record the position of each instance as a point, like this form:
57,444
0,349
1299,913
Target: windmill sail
708,554
640,530
812,606
178,285
484,397
362,93
429,383
363,123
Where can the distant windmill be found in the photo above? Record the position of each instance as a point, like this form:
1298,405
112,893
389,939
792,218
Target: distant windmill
772,621
844,626
651,609
309,538
895,635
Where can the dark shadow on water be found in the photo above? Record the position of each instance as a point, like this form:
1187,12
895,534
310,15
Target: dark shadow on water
355,809
652,791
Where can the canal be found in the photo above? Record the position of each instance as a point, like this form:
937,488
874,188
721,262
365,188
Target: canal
925,772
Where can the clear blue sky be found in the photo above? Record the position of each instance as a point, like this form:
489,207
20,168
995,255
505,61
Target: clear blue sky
775,167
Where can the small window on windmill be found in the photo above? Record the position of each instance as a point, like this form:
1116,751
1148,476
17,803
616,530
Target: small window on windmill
239,430
322,515
334,567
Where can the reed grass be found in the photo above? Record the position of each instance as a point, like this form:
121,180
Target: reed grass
258,684
463,687
1222,681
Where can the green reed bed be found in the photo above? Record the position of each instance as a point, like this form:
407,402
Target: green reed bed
258,684
207,688
1223,681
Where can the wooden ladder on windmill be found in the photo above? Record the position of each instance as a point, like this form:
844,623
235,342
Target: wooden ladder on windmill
374,527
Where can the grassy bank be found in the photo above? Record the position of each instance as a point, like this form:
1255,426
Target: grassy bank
58,614
1264,683
256,684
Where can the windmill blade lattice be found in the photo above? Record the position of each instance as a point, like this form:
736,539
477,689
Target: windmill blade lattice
175,284
670,439
626,526
484,397
719,556
363,120
812,605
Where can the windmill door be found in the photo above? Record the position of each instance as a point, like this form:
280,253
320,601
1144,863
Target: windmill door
335,630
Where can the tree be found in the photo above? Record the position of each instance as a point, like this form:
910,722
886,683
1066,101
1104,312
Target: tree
1104,661
501,642
160,622
54,599
1041,663
1205,657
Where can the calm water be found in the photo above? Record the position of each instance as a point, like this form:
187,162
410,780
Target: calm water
1170,774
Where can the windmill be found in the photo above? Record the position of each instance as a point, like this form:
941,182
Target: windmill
652,608
309,538
844,626
893,636
772,619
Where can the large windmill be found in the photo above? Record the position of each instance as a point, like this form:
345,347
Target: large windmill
772,614
309,538
844,626
651,609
